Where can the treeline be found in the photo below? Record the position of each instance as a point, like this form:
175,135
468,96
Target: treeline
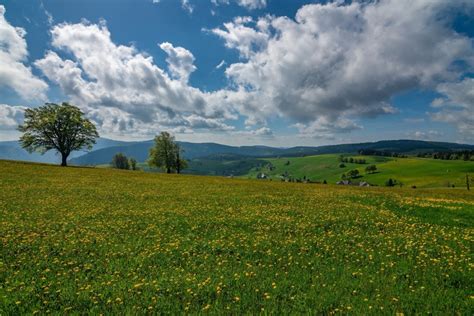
383,153
352,160
465,155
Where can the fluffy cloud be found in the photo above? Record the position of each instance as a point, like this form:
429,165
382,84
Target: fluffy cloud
13,54
180,61
245,39
324,128
10,116
199,122
456,106
119,83
336,62
323,70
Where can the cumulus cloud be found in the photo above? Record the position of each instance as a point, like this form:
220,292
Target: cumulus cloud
325,69
336,62
14,74
120,82
180,61
456,106
11,116
324,128
195,121
238,35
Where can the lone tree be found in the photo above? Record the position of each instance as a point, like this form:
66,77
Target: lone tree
353,173
59,127
120,161
371,169
166,154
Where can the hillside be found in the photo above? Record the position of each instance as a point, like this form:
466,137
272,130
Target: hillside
102,241
140,150
421,172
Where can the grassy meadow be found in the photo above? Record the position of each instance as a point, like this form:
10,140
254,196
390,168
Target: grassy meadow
421,172
90,240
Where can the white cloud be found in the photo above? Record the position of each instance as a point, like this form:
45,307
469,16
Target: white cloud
194,121
187,6
263,131
338,62
180,61
123,90
238,35
49,16
456,106
221,64
249,4
324,128
11,116
14,74
425,135
322,71
252,4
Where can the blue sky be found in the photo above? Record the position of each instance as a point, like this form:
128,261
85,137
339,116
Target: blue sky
245,71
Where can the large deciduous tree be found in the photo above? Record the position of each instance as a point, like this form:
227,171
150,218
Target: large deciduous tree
166,154
57,127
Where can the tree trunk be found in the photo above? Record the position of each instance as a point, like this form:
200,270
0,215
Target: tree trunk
63,160
178,163
168,170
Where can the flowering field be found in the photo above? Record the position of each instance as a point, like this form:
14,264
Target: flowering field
78,240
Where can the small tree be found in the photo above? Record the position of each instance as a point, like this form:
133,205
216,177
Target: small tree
133,163
120,161
59,127
166,154
371,169
341,165
391,182
353,173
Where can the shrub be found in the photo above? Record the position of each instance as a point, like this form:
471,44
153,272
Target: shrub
120,161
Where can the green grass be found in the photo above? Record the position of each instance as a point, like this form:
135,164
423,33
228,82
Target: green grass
91,241
421,172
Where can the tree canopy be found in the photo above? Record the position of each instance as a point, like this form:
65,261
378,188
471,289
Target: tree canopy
57,127
120,161
166,154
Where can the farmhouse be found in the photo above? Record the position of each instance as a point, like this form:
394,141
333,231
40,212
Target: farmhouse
344,182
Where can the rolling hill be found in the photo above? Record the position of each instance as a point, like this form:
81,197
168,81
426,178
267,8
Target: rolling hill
139,150
105,149
421,172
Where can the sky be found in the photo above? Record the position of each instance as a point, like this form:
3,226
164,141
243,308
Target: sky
242,72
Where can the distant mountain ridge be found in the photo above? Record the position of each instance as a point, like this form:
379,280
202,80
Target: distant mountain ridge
140,150
12,150
105,149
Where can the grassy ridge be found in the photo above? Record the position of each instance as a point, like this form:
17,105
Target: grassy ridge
421,172
106,241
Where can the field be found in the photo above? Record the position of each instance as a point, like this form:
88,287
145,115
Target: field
90,240
421,172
